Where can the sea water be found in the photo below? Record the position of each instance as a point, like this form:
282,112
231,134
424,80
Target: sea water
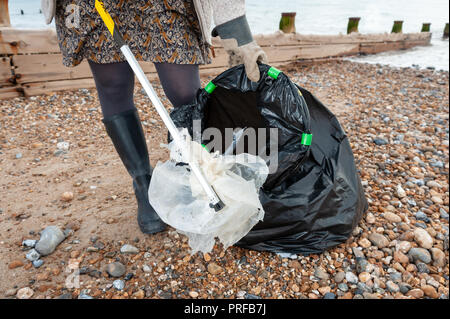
326,17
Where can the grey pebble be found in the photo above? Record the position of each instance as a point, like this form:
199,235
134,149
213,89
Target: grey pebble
119,284
343,287
380,141
115,269
422,268
29,243
419,254
404,288
51,237
38,263
361,265
129,249
351,277
33,255
422,216
250,296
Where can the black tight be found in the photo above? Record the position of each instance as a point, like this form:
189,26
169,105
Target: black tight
115,84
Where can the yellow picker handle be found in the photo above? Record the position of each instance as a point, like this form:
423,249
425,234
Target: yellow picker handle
109,22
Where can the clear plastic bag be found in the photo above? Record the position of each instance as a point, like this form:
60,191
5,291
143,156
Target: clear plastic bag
180,201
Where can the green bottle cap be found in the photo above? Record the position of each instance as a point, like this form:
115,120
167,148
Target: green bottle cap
210,87
306,139
273,72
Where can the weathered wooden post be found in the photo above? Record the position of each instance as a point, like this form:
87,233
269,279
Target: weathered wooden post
426,27
4,14
397,27
353,24
287,22
446,30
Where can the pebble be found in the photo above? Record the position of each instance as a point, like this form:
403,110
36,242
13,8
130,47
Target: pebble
430,291
339,277
321,274
343,287
365,243
146,269
422,268
329,295
38,263
10,292
358,252
140,294
422,237
51,237
25,293
118,284
416,293
351,278
129,249
364,277
115,269
380,141
438,256
404,288
214,269
63,146
67,196
392,287
251,296
15,264
193,294
400,192
378,240
401,257
33,255
437,200
393,218
361,264
419,254
29,243
422,217
84,295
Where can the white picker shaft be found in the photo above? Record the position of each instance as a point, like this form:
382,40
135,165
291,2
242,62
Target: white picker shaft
212,196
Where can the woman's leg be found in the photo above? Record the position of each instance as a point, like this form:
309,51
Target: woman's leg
179,81
115,86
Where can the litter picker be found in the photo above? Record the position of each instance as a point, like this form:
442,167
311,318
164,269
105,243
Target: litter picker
214,201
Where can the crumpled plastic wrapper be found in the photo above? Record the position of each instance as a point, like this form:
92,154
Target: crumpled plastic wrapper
181,202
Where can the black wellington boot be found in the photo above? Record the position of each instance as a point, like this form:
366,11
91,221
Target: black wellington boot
127,135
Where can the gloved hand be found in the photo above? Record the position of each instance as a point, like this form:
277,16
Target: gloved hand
238,42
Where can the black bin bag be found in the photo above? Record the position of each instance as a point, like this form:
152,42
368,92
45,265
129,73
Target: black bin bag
313,197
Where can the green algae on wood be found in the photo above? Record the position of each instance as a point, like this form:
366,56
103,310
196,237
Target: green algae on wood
426,27
397,27
287,22
353,23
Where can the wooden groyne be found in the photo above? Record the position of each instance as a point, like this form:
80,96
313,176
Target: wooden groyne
31,62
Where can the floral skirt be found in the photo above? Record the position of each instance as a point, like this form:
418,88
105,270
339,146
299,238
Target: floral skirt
155,30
